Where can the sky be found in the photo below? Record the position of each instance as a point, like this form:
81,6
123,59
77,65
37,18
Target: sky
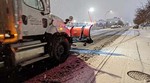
124,9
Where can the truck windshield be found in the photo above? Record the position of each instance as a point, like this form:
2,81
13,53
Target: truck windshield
37,4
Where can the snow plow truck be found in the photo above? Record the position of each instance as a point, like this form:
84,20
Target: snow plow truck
29,33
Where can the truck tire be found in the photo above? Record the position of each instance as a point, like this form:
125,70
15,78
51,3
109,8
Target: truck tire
61,48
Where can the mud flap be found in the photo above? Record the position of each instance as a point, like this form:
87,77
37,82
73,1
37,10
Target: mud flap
81,34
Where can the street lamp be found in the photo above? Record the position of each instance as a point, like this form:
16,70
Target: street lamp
90,11
74,21
110,11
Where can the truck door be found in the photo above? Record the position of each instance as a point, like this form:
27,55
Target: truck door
34,22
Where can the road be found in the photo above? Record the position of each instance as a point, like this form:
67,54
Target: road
116,56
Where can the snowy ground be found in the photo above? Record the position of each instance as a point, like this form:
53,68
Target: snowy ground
111,64
116,56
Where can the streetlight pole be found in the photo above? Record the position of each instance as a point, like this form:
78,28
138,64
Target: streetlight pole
110,11
89,16
90,11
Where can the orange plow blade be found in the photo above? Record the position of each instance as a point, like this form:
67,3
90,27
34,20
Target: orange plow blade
81,33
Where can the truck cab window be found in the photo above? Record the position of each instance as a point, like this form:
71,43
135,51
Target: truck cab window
37,4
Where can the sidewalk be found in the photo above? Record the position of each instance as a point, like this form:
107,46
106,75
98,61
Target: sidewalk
134,48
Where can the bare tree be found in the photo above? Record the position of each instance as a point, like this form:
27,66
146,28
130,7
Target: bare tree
142,15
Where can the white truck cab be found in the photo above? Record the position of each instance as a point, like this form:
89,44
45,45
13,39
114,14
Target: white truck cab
28,33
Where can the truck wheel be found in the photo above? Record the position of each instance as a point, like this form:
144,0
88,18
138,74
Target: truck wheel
61,48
